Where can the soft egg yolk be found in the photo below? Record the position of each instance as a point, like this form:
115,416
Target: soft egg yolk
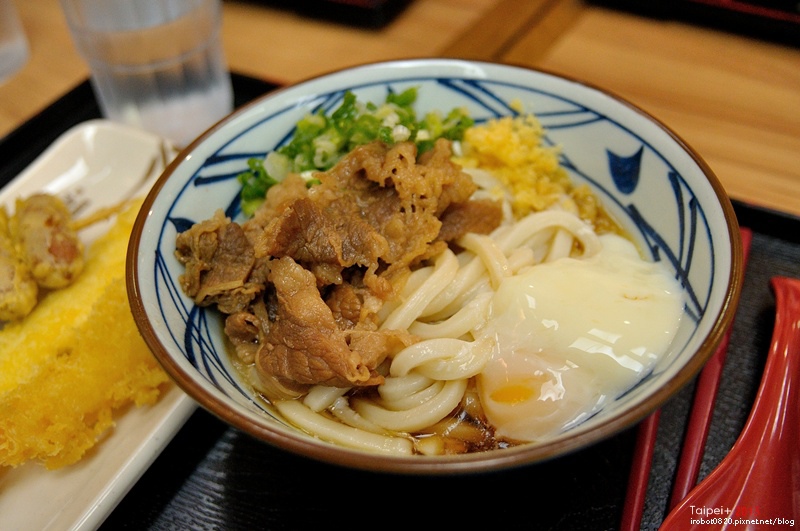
572,335
513,393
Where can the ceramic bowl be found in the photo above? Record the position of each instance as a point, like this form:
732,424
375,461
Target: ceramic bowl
657,186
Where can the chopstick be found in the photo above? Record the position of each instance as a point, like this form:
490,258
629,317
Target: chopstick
640,473
694,440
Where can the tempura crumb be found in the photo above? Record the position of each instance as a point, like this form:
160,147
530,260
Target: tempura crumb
75,362
514,150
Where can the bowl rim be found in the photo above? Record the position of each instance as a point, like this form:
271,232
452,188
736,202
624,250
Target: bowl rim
524,454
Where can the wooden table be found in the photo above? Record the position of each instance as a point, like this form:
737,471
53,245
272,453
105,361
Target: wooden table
735,99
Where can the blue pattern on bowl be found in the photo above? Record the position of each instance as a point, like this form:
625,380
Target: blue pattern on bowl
619,161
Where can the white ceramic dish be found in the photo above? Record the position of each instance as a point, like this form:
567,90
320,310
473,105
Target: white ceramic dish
654,184
93,165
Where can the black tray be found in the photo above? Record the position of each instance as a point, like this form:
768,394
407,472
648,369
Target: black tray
215,477
770,20
371,14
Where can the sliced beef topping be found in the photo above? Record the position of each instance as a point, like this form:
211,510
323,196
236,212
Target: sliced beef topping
321,240
345,305
480,216
304,343
305,277
218,260
243,329
396,194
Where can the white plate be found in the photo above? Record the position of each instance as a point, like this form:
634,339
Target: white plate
93,165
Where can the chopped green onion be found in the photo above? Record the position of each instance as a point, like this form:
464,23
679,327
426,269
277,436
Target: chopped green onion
321,140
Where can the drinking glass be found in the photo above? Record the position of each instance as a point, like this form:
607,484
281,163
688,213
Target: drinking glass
155,64
14,50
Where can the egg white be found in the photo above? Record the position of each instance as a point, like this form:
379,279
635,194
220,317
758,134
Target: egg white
572,335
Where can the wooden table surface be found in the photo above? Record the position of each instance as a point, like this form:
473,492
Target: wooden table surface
736,100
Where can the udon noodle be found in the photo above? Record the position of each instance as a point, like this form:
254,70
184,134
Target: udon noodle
449,305
519,334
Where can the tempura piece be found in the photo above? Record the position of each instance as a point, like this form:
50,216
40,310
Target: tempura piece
77,359
41,227
18,290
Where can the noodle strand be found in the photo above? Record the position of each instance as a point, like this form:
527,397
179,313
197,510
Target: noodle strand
418,417
338,433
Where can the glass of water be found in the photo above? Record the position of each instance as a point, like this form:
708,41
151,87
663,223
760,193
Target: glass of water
14,49
155,64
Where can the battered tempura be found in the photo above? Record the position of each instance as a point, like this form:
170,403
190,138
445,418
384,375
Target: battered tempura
70,365
18,289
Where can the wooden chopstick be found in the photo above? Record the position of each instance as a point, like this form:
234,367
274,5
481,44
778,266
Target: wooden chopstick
694,440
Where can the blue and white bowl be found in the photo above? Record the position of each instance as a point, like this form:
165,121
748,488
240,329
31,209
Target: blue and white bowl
647,177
